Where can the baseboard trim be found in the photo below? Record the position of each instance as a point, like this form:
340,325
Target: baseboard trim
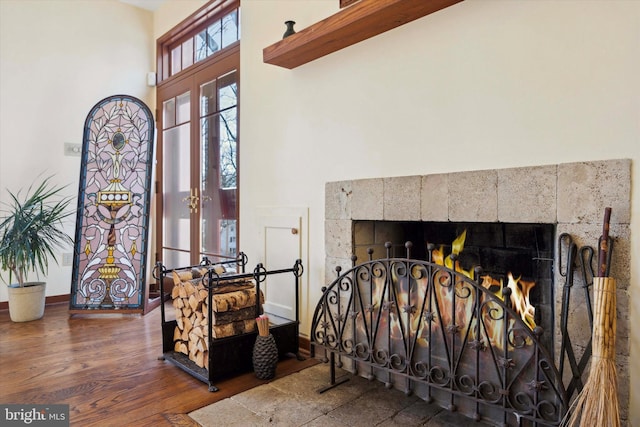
54,299
304,345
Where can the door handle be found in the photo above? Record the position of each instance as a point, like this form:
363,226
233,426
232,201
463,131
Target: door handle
192,200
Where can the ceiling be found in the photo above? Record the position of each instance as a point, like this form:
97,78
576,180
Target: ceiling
151,5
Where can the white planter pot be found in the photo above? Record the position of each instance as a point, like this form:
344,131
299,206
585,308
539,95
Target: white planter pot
27,303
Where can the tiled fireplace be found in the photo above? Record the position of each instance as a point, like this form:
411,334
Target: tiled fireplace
568,197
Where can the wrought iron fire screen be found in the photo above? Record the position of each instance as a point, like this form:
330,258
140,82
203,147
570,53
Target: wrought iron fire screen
430,330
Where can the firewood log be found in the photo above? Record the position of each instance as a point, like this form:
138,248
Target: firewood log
178,303
200,359
175,291
182,293
189,288
194,302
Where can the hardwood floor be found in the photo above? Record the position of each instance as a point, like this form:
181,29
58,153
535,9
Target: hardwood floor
106,367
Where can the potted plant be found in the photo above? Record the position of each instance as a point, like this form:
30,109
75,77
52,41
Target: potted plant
30,231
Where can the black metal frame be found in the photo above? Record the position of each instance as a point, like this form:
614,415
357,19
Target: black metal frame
387,318
231,355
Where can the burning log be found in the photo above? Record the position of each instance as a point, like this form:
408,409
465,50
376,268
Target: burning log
518,294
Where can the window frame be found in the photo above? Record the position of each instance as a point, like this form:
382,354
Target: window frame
191,26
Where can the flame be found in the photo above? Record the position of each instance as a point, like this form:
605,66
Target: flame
458,244
403,313
520,299
494,320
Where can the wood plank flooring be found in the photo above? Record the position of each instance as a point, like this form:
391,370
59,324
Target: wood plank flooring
107,368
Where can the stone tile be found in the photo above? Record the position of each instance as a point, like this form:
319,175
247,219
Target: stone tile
434,200
415,414
527,194
452,419
621,254
262,400
337,238
367,200
623,324
330,273
274,406
306,391
473,196
402,198
367,411
586,188
624,385
292,415
305,385
337,196
326,421
227,412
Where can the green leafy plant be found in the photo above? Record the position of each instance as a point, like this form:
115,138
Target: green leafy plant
32,229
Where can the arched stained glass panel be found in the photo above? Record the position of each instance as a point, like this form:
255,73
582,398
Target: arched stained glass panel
112,225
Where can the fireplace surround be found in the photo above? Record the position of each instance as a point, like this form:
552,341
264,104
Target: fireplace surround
571,196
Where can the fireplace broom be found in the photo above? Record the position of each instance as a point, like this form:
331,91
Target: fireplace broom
597,403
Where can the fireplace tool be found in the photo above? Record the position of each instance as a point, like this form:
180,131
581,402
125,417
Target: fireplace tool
597,403
582,259
566,246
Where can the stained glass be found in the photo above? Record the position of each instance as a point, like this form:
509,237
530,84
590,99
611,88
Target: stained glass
112,225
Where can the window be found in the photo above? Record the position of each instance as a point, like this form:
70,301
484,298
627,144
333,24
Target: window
206,33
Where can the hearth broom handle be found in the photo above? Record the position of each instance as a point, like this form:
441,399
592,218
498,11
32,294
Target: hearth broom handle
597,403
603,247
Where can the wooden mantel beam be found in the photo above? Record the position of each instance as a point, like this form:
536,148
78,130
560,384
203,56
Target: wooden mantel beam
351,25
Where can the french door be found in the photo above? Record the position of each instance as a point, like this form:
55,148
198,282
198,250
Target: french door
198,164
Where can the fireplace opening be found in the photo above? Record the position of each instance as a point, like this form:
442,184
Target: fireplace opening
524,250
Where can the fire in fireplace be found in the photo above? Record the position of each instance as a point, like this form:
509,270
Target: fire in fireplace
518,256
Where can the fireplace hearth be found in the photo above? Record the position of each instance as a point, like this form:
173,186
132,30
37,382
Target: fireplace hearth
568,197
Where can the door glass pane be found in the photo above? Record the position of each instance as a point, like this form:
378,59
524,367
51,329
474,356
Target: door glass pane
228,91
208,98
218,142
210,204
228,124
169,113
176,187
183,108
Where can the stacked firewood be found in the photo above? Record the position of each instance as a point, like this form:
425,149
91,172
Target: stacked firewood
233,311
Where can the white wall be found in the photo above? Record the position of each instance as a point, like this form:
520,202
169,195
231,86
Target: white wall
58,58
483,84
